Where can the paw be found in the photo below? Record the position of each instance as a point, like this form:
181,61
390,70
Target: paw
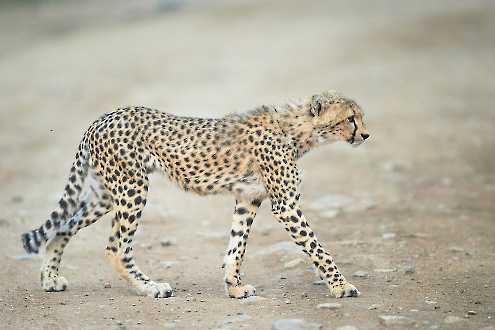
241,291
157,290
344,290
53,283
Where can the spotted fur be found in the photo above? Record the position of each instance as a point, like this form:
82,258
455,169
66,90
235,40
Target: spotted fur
252,156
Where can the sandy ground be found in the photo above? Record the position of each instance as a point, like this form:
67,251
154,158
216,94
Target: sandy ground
414,207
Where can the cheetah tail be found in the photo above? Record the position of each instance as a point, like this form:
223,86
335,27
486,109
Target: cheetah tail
68,205
32,240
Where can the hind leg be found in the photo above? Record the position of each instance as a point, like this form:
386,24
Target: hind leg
89,213
129,205
67,206
244,213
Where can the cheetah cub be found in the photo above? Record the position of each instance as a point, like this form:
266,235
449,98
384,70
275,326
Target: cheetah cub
253,156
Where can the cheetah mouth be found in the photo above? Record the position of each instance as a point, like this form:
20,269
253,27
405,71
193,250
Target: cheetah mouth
355,142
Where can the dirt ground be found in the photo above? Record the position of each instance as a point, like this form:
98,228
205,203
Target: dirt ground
411,211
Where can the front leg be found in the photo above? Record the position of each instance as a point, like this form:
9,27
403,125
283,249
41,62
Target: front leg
295,223
244,213
281,177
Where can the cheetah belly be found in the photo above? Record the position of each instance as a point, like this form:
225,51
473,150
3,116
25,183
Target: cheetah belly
249,188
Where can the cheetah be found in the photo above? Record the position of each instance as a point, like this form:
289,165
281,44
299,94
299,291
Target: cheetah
252,156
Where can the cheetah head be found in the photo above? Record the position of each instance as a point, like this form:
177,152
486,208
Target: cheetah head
337,118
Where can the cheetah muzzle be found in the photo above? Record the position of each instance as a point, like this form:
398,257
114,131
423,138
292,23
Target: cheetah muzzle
253,156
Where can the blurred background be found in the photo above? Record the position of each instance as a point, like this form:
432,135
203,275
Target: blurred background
412,209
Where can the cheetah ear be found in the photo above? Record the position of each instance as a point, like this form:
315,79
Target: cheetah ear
315,105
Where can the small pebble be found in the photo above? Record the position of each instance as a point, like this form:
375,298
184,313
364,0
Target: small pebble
452,319
347,327
167,242
169,325
388,236
295,324
252,300
408,269
329,306
360,273
472,312
392,320
329,214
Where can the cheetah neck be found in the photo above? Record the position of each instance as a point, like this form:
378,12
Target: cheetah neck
296,122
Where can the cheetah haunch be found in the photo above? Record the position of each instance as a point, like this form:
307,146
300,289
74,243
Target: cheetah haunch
252,156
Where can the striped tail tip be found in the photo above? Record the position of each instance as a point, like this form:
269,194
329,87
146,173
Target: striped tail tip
31,242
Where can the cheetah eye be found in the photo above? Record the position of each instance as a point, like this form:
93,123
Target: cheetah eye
351,119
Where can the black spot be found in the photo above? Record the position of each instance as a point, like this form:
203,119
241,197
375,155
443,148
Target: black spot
256,202
63,204
241,210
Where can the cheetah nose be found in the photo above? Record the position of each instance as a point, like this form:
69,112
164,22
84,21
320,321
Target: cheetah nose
365,136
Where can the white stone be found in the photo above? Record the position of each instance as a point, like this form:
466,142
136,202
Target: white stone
252,300
395,320
408,269
360,273
167,264
389,235
347,327
295,324
329,214
452,319
329,306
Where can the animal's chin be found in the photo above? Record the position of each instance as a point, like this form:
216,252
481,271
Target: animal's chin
355,143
